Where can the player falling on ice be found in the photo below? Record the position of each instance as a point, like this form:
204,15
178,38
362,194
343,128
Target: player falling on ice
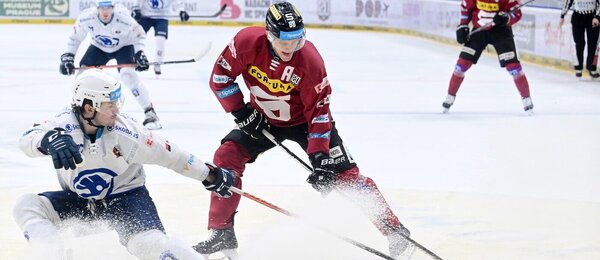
482,13
289,97
98,155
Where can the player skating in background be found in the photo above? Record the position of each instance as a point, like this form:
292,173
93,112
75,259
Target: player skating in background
289,97
98,155
115,35
153,13
584,21
500,35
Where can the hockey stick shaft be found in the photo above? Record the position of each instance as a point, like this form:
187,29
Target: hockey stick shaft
307,167
492,24
290,214
197,16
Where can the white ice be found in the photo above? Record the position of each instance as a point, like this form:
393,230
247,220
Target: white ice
485,181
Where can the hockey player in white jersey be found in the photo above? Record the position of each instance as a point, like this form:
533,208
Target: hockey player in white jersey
154,13
98,155
115,35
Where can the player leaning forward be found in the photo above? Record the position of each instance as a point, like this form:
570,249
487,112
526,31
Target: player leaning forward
289,96
98,154
115,35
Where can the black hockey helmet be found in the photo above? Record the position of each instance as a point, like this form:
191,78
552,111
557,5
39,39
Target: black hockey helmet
284,22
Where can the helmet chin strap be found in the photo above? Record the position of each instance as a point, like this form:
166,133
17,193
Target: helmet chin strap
89,120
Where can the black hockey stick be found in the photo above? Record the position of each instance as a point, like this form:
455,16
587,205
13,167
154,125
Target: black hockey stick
307,167
198,16
290,214
133,65
492,24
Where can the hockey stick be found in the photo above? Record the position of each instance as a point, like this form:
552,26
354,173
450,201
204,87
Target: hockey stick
307,167
197,16
492,24
290,214
133,65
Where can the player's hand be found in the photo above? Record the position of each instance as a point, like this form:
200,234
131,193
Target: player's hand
462,33
67,64
250,121
595,22
501,19
223,180
136,13
323,176
141,61
64,151
184,16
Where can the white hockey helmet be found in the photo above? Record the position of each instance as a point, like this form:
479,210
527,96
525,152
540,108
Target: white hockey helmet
97,86
104,3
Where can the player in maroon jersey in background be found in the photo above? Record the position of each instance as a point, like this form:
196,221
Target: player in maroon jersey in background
289,97
500,35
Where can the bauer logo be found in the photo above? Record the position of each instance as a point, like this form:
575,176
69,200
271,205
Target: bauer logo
94,183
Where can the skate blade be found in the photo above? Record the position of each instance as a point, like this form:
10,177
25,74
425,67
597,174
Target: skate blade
446,110
227,254
407,254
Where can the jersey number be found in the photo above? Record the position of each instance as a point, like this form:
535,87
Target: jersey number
271,104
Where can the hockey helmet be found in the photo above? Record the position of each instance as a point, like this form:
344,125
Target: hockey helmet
98,87
284,22
104,3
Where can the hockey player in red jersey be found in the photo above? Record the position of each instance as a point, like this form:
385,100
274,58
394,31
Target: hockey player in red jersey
289,97
497,17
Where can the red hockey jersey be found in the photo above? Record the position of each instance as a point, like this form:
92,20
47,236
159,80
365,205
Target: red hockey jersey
287,93
481,12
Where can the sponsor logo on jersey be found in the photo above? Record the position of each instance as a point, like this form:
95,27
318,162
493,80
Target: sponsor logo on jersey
126,131
224,64
274,85
220,78
232,49
295,79
189,163
71,127
321,119
489,7
324,102
324,83
167,146
91,28
228,91
319,136
94,183
116,152
149,139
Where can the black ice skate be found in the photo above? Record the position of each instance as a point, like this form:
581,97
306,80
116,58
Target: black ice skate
219,240
400,247
594,74
578,73
448,102
151,122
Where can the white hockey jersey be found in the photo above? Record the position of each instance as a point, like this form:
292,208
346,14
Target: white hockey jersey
160,9
113,163
122,30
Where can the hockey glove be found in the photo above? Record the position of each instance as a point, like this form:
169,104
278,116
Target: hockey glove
64,151
67,63
184,16
223,180
136,13
462,33
141,61
323,176
251,121
501,19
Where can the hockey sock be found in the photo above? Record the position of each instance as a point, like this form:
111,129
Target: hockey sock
458,76
516,71
139,91
160,48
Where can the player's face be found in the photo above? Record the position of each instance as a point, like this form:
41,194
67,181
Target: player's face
285,48
107,114
105,13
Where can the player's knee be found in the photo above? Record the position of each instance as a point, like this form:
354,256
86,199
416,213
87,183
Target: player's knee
462,65
29,208
515,69
231,155
129,77
154,244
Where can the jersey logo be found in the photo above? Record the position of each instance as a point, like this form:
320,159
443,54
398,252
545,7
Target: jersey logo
94,183
490,7
274,85
106,41
156,4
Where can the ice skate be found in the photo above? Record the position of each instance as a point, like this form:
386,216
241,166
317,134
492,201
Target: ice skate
578,73
594,74
219,240
448,103
400,247
151,122
157,70
528,105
